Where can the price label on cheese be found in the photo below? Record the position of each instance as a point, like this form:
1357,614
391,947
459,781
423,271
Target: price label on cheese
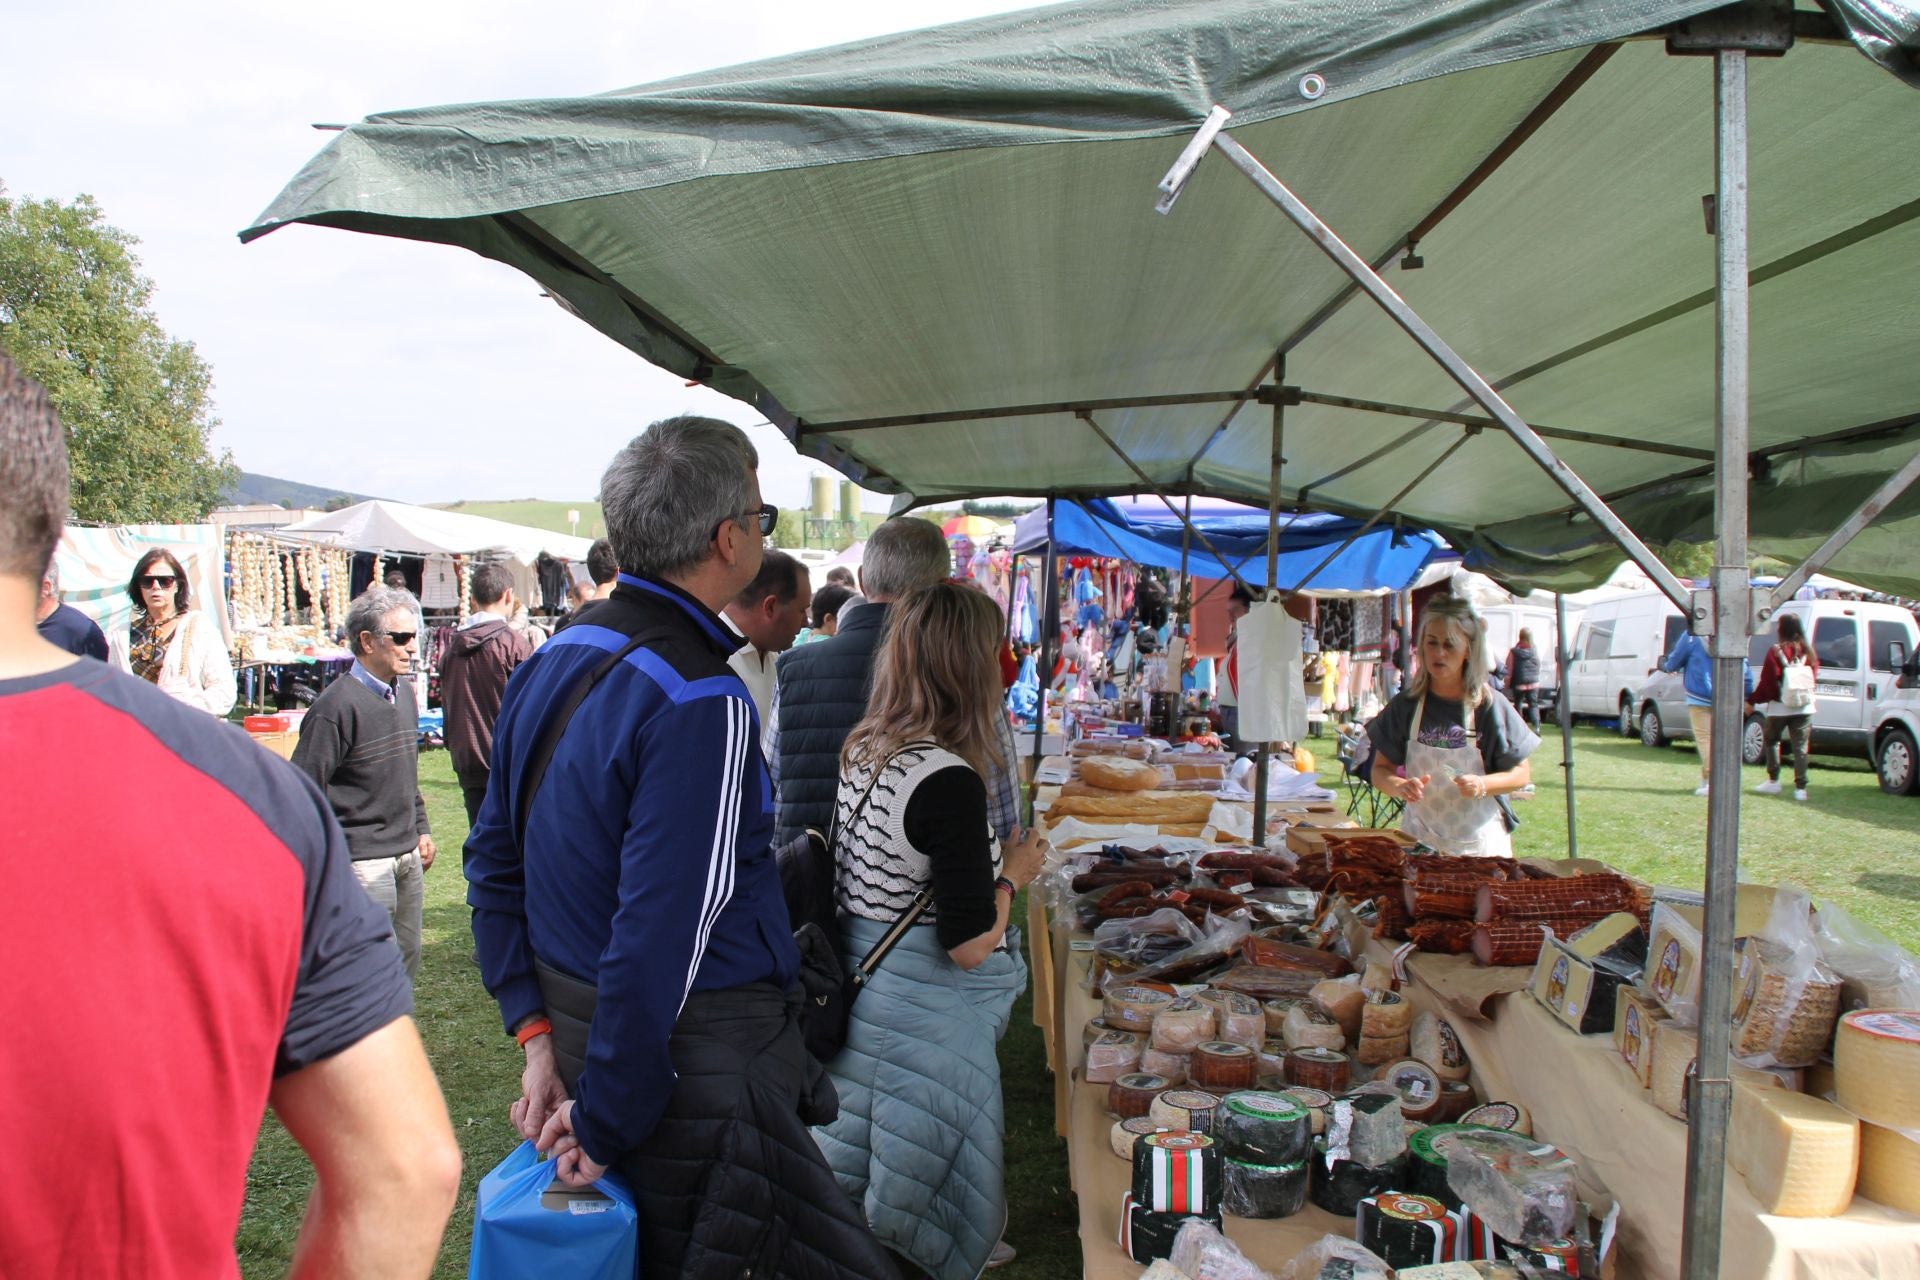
1244,888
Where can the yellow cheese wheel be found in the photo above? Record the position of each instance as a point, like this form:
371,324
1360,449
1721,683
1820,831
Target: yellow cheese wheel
1876,1066
1798,1154
1889,1168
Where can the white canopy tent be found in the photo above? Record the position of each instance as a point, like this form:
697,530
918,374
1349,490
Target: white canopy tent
395,528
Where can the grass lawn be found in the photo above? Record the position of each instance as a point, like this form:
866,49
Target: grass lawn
1850,843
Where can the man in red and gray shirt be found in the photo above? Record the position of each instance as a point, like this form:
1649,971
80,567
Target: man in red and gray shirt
184,945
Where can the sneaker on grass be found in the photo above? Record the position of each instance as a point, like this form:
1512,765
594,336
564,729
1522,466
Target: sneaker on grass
1700,790
1800,795
1771,787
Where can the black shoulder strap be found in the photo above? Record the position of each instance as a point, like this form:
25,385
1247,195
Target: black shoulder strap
549,740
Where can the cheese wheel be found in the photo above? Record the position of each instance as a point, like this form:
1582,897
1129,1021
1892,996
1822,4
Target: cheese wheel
1456,1099
1221,1066
1127,1132
1273,1058
1133,1094
1275,1011
1433,1041
1342,1000
1798,1154
1876,1066
1236,1017
1307,1027
1418,1087
1112,1056
1185,1109
1316,1101
1315,1068
1374,1051
1182,1025
1095,1028
1889,1168
1131,1008
1174,1066
1386,1013
1510,1116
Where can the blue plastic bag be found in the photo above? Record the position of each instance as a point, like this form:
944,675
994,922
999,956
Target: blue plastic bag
526,1224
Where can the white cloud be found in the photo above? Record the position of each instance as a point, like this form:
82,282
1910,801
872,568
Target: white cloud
410,370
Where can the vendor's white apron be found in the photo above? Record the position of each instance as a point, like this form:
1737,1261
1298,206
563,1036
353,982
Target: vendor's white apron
1448,821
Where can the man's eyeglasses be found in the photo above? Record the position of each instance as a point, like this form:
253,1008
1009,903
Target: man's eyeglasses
164,581
768,516
401,639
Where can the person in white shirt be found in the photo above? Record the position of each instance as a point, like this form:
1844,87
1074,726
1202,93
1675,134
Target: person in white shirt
768,614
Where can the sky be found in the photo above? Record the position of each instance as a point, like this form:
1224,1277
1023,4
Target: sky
406,370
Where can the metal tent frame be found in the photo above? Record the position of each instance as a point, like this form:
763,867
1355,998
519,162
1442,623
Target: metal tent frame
1725,612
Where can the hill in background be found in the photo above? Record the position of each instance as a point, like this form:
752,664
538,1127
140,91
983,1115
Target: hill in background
251,487
536,513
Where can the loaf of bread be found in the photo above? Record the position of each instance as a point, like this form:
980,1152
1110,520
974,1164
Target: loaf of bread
1117,773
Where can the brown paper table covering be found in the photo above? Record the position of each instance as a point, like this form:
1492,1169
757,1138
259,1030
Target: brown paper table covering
1583,1098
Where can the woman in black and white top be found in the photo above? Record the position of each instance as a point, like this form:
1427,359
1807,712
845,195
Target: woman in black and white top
918,1140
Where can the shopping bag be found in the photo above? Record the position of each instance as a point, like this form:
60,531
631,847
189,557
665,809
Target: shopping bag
527,1223
1273,697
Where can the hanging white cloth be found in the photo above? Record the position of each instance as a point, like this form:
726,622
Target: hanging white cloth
1273,697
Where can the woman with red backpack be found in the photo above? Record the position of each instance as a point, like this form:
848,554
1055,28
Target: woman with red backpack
1785,687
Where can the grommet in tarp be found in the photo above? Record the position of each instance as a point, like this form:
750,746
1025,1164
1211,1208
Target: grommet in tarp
1312,85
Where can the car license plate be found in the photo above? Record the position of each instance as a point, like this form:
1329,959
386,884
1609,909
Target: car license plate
1833,690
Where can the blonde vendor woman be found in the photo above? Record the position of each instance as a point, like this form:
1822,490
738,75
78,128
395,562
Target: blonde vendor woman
1451,746
168,645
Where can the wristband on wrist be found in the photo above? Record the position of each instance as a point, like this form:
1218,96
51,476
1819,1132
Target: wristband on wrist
538,1027
1001,882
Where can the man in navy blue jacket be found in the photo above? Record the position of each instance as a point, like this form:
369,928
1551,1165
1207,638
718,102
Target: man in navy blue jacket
635,936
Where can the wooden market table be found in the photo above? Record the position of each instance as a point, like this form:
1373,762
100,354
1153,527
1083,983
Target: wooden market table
1584,1099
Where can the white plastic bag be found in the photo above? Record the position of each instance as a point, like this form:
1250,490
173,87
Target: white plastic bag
1203,1253
1878,972
1273,695
1785,998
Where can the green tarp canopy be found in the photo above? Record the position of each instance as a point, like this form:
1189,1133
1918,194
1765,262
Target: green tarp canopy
961,219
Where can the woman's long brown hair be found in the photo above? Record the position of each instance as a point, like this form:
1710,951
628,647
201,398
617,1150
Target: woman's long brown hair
937,677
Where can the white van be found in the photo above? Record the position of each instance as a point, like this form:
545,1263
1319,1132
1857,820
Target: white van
1853,642
1620,641
1502,624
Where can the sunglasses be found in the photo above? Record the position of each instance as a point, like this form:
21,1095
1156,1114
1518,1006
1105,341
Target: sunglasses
165,580
767,515
401,639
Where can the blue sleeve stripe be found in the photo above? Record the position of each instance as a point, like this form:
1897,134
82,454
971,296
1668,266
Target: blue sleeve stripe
726,827
678,688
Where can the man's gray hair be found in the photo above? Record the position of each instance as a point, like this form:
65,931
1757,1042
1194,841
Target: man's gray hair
665,493
370,609
904,554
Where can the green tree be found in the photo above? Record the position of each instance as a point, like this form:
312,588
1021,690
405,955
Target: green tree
74,314
1687,559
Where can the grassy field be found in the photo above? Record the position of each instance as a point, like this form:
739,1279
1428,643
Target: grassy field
1849,843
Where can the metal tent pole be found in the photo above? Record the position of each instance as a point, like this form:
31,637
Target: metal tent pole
1727,622
1564,716
1262,760
1049,637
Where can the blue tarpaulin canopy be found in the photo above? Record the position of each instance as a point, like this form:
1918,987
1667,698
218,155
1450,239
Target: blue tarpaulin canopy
1381,559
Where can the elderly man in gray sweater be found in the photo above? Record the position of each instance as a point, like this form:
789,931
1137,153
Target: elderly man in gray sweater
360,742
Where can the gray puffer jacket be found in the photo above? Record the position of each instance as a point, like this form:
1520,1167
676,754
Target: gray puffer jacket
918,1139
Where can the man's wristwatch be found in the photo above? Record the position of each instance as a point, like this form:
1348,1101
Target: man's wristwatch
1001,882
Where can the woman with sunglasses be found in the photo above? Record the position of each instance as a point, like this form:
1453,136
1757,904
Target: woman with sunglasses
170,646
